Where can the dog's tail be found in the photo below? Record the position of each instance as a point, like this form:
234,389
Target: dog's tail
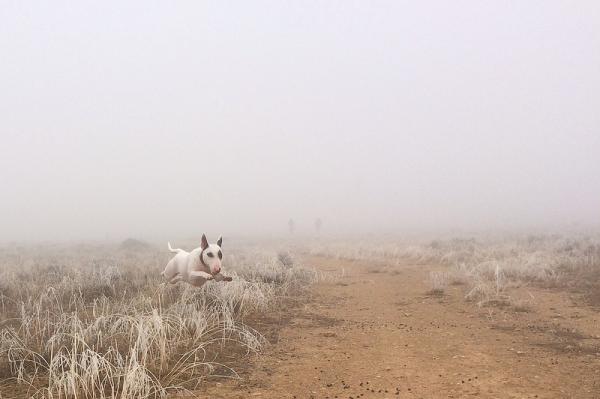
176,250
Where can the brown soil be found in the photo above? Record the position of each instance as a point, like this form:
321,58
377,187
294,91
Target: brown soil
376,333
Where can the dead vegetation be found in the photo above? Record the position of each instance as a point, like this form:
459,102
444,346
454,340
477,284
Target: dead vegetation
438,282
94,321
490,266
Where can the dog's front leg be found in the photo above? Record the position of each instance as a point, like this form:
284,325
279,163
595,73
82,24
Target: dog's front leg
199,273
220,277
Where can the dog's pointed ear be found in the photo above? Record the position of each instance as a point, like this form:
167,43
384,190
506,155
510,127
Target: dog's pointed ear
220,241
204,243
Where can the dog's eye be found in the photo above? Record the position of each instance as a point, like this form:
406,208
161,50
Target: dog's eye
210,254
220,255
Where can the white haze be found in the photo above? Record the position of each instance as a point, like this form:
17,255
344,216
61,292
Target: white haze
161,119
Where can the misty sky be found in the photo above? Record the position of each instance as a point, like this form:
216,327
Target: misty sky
166,119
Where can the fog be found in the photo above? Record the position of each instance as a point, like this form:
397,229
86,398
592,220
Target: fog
168,119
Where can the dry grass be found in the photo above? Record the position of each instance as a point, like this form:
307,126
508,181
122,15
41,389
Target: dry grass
95,321
438,282
489,265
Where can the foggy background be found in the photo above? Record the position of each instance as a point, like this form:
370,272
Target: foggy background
167,119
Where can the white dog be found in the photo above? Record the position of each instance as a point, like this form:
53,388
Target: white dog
198,266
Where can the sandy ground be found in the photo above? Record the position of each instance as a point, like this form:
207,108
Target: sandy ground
376,333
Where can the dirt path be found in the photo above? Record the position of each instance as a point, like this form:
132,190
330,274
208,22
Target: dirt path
375,333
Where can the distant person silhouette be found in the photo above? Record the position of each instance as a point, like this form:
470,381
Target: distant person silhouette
291,226
318,225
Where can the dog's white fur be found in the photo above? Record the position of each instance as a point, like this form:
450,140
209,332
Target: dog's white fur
198,266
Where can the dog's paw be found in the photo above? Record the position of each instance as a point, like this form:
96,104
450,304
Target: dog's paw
228,278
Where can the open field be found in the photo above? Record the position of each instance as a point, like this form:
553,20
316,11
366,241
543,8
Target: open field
95,321
408,195
378,333
510,316
490,264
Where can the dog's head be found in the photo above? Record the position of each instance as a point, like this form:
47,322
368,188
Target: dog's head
211,254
